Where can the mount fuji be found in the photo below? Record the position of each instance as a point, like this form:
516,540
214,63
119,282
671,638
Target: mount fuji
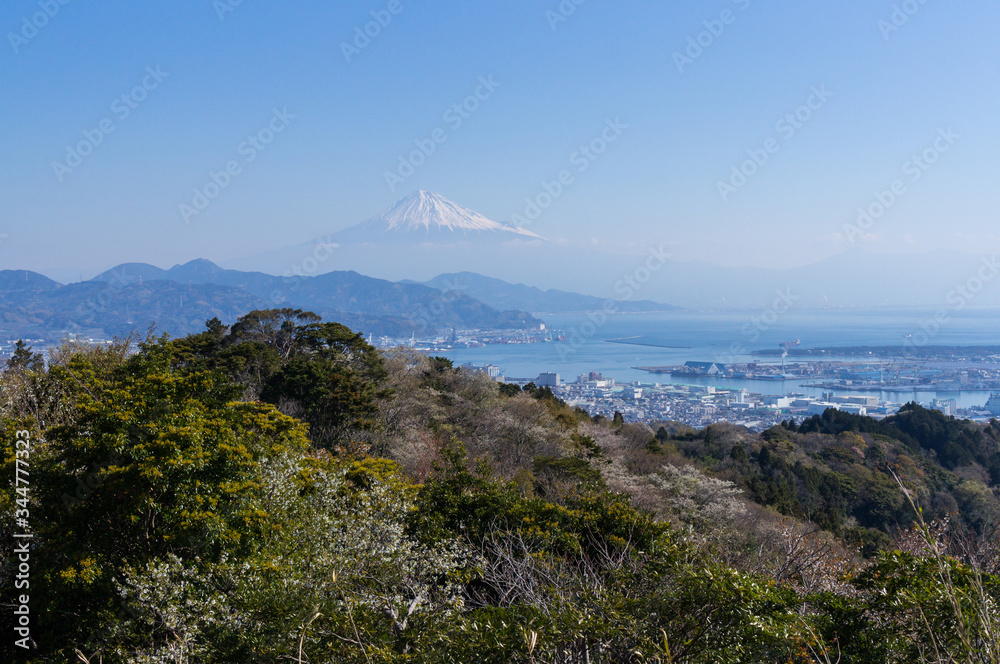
425,235
418,237
424,216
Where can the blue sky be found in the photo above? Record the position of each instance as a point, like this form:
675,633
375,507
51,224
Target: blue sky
226,66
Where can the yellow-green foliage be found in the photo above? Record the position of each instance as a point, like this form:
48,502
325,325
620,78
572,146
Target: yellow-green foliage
178,519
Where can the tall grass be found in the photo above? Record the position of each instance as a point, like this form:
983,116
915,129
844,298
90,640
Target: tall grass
975,638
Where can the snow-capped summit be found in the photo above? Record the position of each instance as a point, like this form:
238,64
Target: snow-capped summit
423,216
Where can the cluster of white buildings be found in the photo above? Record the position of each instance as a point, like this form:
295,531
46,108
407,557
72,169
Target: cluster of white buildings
700,405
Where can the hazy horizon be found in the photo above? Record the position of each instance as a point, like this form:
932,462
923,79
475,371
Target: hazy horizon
300,122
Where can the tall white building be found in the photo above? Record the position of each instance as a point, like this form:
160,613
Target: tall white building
946,406
547,380
993,405
820,407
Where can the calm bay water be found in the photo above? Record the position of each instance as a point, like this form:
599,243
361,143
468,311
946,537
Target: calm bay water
728,337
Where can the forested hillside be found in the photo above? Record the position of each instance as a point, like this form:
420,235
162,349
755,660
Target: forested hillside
179,300
278,490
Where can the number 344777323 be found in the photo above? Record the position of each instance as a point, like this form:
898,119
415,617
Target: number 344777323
23,455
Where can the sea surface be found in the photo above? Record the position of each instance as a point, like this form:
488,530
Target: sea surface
675,338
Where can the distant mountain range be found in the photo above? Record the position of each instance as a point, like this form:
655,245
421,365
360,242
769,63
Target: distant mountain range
428,256
419,231
502,295
371,305
424,235
34,307
181,299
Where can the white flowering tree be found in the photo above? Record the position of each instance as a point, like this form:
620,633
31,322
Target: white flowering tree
340,576
696,498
